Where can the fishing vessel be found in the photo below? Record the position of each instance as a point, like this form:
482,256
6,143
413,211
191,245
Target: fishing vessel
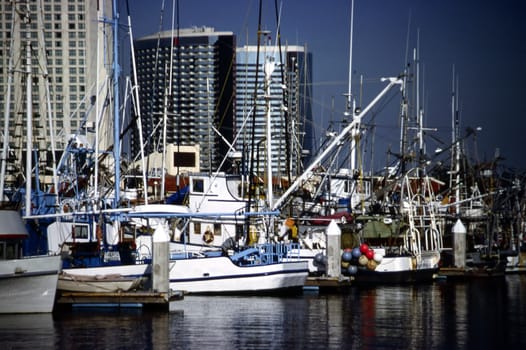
230,268
27,284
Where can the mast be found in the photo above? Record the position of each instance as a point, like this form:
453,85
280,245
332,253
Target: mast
270,65
455,158
48,101
350,100
29,122
138,111
116,98
419,113
5,141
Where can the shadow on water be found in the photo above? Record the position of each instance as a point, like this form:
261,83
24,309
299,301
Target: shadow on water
479,314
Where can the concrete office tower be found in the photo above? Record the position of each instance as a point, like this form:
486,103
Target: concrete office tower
289,99
61,39
186,75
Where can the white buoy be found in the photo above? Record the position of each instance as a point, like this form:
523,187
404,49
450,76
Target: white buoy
334,234
459,244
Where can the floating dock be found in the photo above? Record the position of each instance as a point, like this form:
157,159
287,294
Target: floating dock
328,284
466,273
151,300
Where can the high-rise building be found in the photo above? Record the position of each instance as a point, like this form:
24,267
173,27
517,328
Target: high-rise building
285,98
186,94
60,39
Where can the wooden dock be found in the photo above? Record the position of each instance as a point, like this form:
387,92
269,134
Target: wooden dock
454,273
328,284
118,299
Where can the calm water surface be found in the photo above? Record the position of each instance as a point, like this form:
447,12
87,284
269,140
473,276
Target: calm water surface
482,314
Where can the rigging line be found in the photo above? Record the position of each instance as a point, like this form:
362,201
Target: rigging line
253,131
156,63
285,91
223,87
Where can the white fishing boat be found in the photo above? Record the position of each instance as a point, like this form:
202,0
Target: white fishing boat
257,269
27,284
233,269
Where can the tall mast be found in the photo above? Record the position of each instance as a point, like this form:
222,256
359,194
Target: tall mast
138,111
404,110
5,141
29,124
270,65
455,125
419,117
116,98
350,100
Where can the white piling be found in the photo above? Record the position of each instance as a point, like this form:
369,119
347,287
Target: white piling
459,244
334,234
160,263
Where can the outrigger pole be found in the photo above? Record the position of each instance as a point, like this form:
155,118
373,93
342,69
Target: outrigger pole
356,121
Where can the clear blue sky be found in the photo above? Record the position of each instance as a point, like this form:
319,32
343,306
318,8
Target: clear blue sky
485,40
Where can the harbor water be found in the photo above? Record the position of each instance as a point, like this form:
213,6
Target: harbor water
476,314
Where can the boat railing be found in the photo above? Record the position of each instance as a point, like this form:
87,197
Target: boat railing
267,253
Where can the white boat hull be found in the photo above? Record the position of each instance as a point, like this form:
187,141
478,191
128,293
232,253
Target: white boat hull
215,275
29,285
221,275
98,284
401,269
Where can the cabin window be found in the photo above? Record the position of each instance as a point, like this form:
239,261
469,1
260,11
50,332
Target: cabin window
197,228
240,230
198,185
217,229
8,250
80,231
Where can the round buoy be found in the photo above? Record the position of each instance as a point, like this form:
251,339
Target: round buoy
319,258
369,254
345,264
378,257
364,248
362,260
371,264
352,269
347,256
356,253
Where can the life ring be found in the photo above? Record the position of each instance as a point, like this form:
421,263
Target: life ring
208,237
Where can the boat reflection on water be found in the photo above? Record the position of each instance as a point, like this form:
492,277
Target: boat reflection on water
486,314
